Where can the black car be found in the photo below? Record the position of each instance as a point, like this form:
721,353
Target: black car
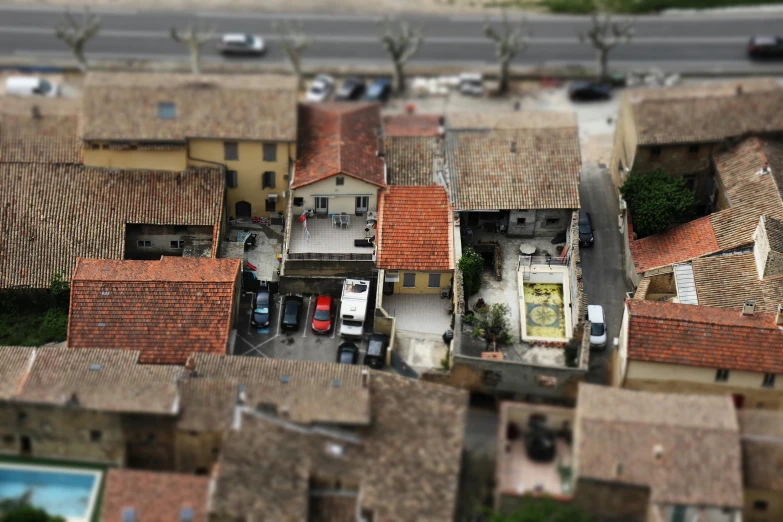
347,353
292,312
262,309
589,91
765,47
379,90
586,237
351,89
376,351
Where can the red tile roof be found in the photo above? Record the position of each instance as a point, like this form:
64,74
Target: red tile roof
681,243
414,229
703,336
155,497
167,309
338,138
412,125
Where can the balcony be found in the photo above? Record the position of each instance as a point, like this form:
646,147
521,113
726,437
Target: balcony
330,239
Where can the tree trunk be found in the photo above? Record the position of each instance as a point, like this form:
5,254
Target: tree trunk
603,64
195,58
399,77
296,65
503,78
78,52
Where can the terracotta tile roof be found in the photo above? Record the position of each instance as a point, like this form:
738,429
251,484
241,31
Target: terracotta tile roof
307,391
124,106
154,496
167,309
543,173
727,281
762,441
694,119
50,137
681,243
338,138
103,380
415,230
412,125
410,161
52,214
406,463
704,336
14,363
698,437
510,120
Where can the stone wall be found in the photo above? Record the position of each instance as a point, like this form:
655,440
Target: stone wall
354,269
318,285
535,223
197,451
149,441
160,238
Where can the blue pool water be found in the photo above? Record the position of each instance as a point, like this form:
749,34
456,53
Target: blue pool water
59,492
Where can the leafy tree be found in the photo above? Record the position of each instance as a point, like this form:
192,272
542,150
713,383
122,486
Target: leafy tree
493,319
19,510
54,326
471,264
657,201
542,509
60,290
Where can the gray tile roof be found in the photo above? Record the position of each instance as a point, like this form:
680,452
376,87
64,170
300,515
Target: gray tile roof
410,160
207,404
774,229
515,169
685,448
509,120
404,465
124,106
52,214
14,363
51,135
727,281
762,448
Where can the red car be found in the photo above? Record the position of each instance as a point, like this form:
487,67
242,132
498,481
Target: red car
324,313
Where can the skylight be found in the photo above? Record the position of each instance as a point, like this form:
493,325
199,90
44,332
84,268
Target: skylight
167,111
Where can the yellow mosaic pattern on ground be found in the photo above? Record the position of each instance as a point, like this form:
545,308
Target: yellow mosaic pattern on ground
544,313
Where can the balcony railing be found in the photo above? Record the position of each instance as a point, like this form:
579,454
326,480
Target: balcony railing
543,260
315,256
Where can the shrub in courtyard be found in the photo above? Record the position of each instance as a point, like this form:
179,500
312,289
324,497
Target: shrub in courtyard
657,201
471,264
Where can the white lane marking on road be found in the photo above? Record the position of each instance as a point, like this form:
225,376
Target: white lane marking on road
288,16
59,9
307,317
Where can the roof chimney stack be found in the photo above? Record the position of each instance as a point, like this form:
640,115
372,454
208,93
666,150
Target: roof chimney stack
365,378
779,316
381,145
749,308
35,112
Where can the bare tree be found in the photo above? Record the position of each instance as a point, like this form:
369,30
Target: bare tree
194,39
604,35
294,42
75,34
401,45
509,41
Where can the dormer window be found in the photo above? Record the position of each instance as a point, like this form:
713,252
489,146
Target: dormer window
167,111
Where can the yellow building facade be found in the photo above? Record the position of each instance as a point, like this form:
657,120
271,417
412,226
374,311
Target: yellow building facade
415,282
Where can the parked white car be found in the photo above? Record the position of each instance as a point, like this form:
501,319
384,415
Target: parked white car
595,314
241,45
471,84
320,88
30,86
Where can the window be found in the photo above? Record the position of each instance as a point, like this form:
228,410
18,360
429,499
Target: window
271,205
230,151
434,281
769,380
693,150
167,111
690,182
655,153
721,376
144,244
298,202
392,276
409,280
340,180
21,415
177,244
521,221
8,439
268,180
552,222
231,179
270,152
95,436
760,505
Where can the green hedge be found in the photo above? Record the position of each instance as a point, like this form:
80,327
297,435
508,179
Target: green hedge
645,6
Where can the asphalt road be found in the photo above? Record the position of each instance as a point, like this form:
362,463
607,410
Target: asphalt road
673,42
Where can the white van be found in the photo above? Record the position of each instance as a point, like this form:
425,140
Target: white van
595,314
30,86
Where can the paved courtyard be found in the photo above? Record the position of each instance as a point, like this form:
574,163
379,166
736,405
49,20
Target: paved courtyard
420,313
327,238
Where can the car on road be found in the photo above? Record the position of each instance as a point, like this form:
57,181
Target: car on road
765,47
320,88
238,44
589,91
377,345
351,89
586,237
323,315
595,314
347,353
379,90
261,309
292,312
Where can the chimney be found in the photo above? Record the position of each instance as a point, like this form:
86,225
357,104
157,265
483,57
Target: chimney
514,146
365,378
381,145
779,316
739,89
658,452
190,364
241,395
749,308
35,112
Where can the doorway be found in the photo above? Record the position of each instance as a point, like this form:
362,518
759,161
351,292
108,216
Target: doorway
243,209
362,202
321,206
27,445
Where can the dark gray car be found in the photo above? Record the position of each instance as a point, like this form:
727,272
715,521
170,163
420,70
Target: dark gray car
292,312
262,310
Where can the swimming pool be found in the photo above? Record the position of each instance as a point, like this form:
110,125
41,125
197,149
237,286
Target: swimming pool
70,493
